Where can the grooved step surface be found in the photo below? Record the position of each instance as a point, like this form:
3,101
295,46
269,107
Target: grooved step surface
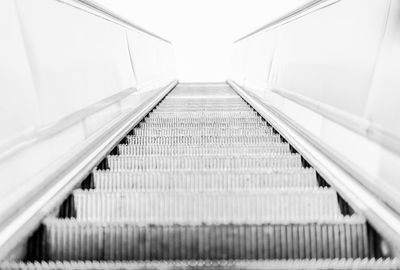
197,150
163,163
334,264
207,207
201,180
210,140
196,132
235,125
72,240
205,181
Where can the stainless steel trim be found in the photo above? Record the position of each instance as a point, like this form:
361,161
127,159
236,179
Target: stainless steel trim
295,14
20,142
357,124
202,83
348,120
382,217
98,10
25,215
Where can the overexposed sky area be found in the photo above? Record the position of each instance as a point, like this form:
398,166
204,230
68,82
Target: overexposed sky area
202,31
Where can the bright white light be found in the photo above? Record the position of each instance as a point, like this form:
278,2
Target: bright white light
202,31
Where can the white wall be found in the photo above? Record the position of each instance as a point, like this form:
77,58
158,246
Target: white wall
334,73
65,74
201,31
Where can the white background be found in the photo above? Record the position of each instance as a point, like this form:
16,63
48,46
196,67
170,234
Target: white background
202,31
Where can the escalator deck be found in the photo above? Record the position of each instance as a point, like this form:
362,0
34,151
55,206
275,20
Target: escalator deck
203,182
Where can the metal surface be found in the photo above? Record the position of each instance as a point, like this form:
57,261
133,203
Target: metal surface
191,191
25,215
64,75
384,219
305,9
355,264
336,79
95,8
43,133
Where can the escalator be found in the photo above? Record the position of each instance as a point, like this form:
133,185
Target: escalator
204,182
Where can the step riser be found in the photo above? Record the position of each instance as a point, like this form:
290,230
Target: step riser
197,182
210,207
142,150
71,241
163,163
337,264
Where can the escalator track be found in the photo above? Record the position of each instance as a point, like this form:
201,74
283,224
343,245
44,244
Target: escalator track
204,182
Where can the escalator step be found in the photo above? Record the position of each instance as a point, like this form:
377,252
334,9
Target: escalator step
207,207
203,115
74,240
322,264
226,120
202,125
203,132
204,181
141,150
213,140
173,163
203,108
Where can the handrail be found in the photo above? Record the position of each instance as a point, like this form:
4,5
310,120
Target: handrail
109,15
297,13
20,141
56,182
380,215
